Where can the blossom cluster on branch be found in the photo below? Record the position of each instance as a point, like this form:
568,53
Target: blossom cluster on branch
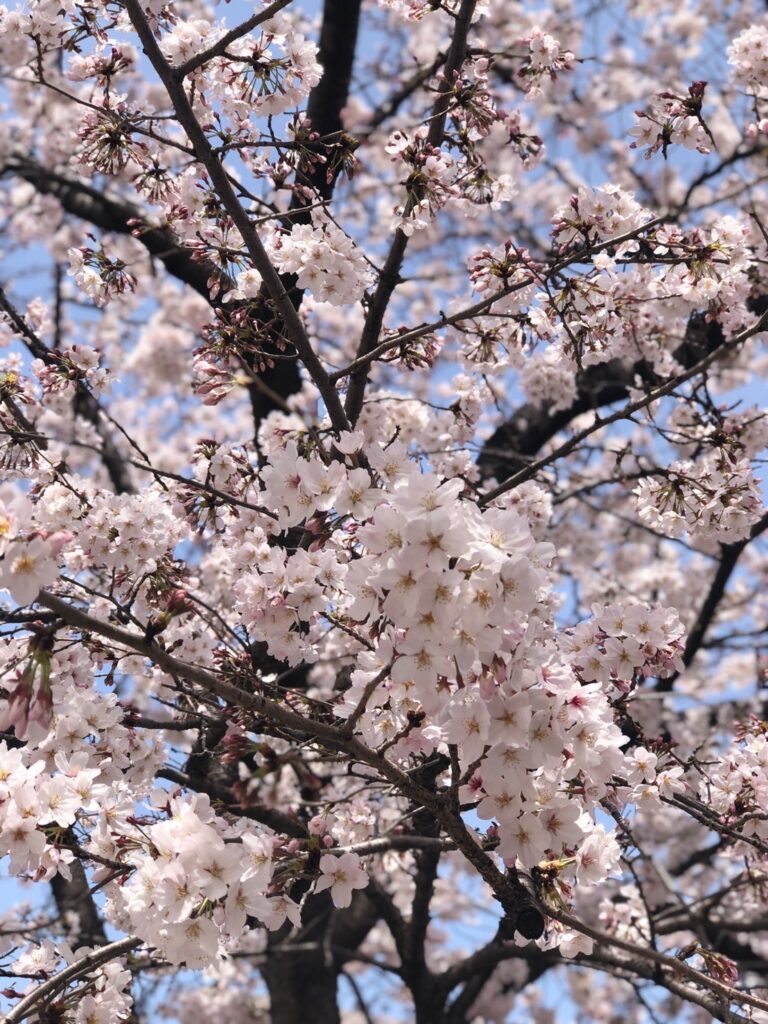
381,503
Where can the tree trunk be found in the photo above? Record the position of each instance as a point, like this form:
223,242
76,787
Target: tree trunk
302,989
302,983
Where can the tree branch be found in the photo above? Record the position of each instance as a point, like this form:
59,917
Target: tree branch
729,557
221,45
390,274
532,426
626,411
662,961
220,179
119,216
86,405
78,969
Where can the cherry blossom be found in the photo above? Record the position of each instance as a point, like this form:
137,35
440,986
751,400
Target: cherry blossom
341,875
382,519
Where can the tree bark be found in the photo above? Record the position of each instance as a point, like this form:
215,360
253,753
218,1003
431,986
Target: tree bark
77,909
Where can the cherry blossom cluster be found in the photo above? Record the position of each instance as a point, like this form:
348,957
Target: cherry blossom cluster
100,277
597,213
673,120
736,786
325,260
742,432
108,141
457,599
625,643
192,881
448,604
78,756
592,317
374,481
547,58
80,364
430,179
716,499
265,76
30,556
748,57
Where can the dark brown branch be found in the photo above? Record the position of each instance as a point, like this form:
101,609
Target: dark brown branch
390,274
265,815
77,908
338,43
259,257
624,413
118,216
220,46
729,557
475,971
416,973
392,104
513,444
390,914
85,403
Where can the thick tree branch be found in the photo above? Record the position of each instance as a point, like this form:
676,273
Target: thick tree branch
484,960
668,968
220,179
74,901
513,444
653,394
729,557
338,44
317,180
119,216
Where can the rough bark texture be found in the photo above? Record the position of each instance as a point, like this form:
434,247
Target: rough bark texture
302,988
78,909
303,984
